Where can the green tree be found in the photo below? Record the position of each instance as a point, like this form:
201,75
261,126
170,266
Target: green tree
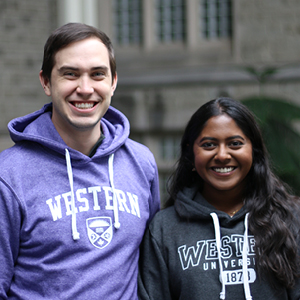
277,119
261,75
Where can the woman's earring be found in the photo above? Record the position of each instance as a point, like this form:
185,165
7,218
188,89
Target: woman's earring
193,170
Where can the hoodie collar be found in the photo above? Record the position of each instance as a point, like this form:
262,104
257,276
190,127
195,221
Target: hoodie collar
38,127
190,204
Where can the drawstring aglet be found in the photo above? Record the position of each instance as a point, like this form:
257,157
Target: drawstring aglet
117,225
76,236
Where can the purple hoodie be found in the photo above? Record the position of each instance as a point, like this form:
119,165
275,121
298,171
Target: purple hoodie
71,225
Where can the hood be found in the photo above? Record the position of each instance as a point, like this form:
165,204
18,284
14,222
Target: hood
38,127
190,204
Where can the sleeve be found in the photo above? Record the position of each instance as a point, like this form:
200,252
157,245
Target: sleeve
154,201
10,223
153,279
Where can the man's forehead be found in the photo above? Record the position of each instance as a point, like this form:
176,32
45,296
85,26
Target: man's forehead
93,48
82,42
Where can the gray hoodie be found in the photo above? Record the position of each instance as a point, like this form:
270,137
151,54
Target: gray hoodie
193,251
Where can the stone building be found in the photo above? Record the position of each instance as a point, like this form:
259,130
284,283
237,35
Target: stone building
172,56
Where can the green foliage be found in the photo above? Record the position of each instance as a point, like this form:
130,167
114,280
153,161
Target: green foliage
276,117
261,75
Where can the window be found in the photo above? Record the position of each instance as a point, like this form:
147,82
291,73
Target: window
128,21
170,148
216,16
170,20
84,11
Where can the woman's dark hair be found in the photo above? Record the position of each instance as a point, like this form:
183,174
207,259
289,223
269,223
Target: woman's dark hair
70,33
271,208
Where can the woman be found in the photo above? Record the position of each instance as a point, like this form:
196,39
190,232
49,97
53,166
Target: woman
230,229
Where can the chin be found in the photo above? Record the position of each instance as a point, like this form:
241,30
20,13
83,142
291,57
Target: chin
84,126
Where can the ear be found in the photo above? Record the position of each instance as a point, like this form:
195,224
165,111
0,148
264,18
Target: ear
114,84
45,82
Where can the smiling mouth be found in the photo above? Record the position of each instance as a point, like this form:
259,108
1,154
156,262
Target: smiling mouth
83,105
224,170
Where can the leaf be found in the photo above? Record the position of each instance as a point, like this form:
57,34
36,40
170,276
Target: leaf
282,143
275,117
261,74
275,108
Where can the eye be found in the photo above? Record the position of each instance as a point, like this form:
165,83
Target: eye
98,75
70,74
236,144
208,145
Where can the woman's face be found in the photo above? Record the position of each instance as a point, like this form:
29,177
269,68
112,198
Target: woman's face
223,155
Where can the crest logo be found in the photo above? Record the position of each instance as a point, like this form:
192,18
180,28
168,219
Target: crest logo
100,231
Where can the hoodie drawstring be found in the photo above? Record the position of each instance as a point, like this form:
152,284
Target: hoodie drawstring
218,243
245,264
75,233
244,255
111,179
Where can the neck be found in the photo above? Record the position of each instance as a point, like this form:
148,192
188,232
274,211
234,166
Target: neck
81,140
227,201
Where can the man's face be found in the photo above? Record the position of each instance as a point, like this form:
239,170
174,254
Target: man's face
81,87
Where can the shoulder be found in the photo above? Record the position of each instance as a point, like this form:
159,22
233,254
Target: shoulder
141,152
19,159
163,221
138,147
12,156
166,229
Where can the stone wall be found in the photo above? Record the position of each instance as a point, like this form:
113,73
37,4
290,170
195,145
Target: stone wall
25,25
267,31
157,89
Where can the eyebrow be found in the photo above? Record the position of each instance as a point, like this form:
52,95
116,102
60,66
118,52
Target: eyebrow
214,139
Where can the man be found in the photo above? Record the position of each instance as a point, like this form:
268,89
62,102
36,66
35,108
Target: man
76,194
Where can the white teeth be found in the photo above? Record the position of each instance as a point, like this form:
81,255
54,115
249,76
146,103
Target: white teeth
84,105
223,170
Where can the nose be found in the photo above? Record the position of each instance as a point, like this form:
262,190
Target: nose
222,154
85,86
